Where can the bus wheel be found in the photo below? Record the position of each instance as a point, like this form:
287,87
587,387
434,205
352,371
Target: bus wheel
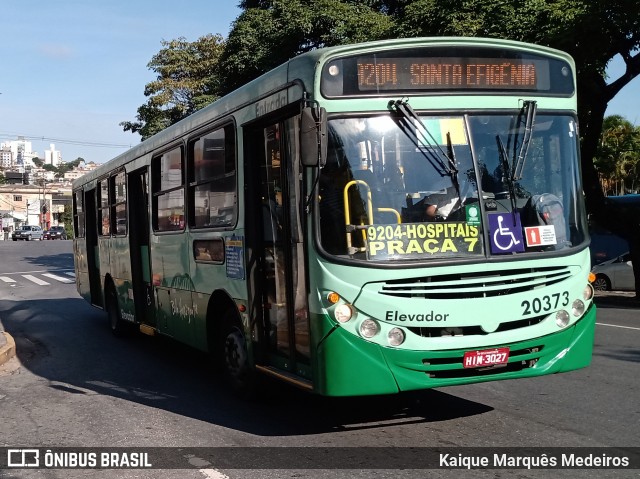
235,359
117,326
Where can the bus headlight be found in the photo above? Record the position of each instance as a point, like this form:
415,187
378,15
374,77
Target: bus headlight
395,337
562,318
587,292
369,328
577,308
343,313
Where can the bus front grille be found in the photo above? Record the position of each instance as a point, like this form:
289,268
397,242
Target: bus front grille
476,285
436,332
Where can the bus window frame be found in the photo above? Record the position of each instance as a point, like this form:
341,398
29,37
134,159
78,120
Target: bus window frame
157,191
192,184
116,201
78,213
103,206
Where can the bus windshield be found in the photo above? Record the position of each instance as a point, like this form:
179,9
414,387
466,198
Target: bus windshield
407,188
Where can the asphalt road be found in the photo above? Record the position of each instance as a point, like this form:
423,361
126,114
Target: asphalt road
75,385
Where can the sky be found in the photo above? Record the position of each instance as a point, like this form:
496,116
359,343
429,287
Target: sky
72,70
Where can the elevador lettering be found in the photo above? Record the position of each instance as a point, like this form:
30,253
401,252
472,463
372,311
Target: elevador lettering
429,317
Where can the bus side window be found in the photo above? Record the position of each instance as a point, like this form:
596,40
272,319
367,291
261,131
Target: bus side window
168,191
212,179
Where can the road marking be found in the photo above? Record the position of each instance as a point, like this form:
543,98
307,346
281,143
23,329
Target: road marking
33,271
618,326
213,474
58,278
35,280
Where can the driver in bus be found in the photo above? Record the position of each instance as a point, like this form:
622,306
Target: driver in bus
433,207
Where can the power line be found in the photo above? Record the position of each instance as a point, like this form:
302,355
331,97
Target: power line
68,141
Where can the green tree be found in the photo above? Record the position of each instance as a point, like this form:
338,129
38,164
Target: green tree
186,82
67,220
270,32
60,170
617,159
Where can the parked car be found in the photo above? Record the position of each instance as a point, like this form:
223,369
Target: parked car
27,233
615,274
55,232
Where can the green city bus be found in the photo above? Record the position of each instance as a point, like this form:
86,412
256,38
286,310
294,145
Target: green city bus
364,219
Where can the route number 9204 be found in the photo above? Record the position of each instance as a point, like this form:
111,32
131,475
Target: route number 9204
545,303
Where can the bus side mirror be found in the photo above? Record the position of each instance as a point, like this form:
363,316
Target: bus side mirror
313,136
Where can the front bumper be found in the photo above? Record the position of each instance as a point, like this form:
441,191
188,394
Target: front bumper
349,365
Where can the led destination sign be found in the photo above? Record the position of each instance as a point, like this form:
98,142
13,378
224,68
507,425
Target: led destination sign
447,69
410,73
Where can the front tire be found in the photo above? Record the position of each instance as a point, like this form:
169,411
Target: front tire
235,358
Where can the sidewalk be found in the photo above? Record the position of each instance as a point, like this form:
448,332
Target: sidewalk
7,346
619,299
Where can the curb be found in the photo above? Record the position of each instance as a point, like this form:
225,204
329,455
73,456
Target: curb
8,350
620,299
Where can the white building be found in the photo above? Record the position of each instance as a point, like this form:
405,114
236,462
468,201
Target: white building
52,156
6,157
22,155
82,169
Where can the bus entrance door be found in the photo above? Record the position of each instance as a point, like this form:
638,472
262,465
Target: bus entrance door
138,199
93,253
282,279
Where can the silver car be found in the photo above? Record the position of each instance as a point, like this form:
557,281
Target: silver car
615,274
27,233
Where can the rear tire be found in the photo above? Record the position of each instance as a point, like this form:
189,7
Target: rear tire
116,324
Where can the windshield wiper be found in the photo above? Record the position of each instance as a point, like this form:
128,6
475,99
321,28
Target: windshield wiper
507,174
444,163
454,172
529,113
513,172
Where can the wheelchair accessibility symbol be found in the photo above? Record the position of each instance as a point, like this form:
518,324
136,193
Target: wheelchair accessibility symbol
505,236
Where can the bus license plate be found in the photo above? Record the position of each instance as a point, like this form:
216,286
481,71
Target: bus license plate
485,357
